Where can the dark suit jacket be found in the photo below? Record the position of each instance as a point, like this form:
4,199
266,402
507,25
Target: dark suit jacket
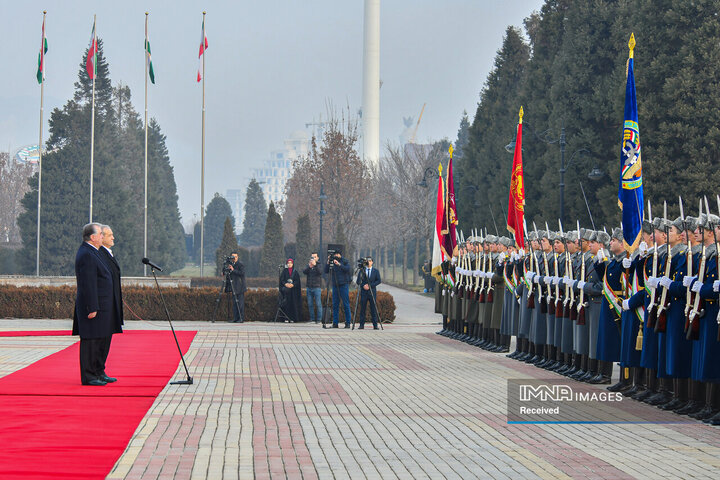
94,294
114,268
237,277
373,280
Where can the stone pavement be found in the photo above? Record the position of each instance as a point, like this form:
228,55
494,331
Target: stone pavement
297,401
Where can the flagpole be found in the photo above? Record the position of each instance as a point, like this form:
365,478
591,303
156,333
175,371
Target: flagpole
40,145
145,204
92,119
202,161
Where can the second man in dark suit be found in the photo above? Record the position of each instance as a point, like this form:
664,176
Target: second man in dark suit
368,278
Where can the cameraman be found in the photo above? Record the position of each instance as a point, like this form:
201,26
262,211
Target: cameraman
314,287
340,273
237,278
368,278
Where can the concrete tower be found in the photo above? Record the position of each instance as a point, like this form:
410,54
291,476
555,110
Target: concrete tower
371,82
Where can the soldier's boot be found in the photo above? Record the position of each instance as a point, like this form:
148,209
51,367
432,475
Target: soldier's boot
625,381
591,370
518,349
604,373
484,338
652,383
545,356
553,358
712,403
679,396
566,364
504,346
499,342
696,400
575,364
582,370
638,382
664,394
527,349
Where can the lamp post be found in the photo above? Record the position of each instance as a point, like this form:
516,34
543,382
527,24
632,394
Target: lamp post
595,174
432,173
321,214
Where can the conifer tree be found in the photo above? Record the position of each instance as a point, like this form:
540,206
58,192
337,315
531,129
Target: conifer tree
273,252
215,214
303,238
255,216
227,245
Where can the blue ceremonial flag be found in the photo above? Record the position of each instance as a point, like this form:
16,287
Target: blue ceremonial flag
630,192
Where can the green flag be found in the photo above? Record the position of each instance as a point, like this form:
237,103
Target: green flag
149,60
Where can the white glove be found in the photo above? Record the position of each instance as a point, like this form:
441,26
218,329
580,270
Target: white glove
521,252
716,286
529,276
696,287
567,280
555,280
652,282
665,282
453,260
600,256
687,281
643,248
626,305
581,284
547,280
536,279
626,262
476,273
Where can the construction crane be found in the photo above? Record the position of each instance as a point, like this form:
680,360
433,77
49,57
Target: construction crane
412,138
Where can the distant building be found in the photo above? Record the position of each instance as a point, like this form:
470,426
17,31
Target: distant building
276,171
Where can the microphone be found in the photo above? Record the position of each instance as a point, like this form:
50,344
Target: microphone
147,261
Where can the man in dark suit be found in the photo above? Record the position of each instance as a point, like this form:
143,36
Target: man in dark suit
237,277
94,306
118,318
368,278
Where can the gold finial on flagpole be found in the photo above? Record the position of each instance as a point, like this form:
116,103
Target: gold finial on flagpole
631,44
451,150
440,169
521,114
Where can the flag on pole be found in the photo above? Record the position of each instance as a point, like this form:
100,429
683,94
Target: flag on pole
41,56
630,191
91,61
203,46
449,240
437,253
148,58
516,202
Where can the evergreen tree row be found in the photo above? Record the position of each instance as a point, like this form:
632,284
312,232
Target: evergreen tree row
571,73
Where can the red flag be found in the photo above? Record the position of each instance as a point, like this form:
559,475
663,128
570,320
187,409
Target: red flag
438,254
91,60
449,243
203,46
516,202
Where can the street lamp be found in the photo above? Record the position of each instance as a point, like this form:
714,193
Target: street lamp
595,174
428,172
321,213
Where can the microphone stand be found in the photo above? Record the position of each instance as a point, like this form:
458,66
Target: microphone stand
189,380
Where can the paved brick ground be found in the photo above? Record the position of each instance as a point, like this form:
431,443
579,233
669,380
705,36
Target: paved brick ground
297,401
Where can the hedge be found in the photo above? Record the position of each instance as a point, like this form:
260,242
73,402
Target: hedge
251,282
183,303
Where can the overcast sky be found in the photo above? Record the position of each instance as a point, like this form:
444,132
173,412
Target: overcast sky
272,66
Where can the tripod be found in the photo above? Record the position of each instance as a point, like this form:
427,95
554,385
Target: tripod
327,308
223,289
280,312
189,380
364,280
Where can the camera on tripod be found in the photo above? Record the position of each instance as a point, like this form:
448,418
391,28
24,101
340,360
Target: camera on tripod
363,262
227,263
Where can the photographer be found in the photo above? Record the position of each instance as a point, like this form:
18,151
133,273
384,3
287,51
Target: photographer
290,290
368,278
235,268
340,273
314,287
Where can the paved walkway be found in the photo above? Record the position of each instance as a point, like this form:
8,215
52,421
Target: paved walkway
297,401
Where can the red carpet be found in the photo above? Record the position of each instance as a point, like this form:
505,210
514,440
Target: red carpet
34,333
53,427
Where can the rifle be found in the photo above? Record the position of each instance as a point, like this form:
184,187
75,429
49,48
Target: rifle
531,289
489,287
688,260
582,304
651,314
552,305
569,294
544,301
661,322
692,328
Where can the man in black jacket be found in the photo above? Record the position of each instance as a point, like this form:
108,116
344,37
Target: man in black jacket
368,278
118,319
237,277
340,273
314,287
94,314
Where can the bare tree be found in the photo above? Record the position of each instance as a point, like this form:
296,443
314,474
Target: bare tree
13,186
335,163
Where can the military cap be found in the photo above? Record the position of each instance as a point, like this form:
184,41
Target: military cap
661,223
647,226
602,237
691,223
532,236
571,236
617,234
506,241
711,219
679,224
491,239
551,236
586,234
